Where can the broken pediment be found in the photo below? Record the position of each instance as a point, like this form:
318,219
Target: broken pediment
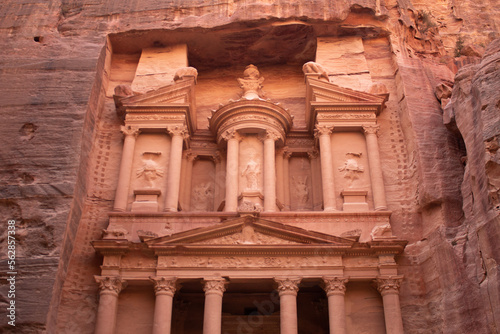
340,102
250,231
172,101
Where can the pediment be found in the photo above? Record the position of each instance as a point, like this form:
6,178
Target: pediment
327,92
249,232
181,92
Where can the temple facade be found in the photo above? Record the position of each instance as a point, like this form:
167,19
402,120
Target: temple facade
261,217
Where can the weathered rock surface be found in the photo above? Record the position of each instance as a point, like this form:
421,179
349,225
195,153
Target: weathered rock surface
60,144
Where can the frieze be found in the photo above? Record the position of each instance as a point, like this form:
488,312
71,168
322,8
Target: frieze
154,118
248,237
345,116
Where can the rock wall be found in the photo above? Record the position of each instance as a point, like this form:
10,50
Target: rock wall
58,140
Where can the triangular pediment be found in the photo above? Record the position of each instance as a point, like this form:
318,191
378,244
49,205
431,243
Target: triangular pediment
322,91
181,92
246,232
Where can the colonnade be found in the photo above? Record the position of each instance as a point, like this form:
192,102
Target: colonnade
214,288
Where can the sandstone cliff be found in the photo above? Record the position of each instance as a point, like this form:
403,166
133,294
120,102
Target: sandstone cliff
59,129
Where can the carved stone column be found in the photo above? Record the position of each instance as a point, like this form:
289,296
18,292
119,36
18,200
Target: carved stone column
315,179
389,289
178,133
212,318
122,188
377,179
329,201
164,290
269,171
232,166
335,291
288,289
218,179
190,158
280,191
109,289
286,177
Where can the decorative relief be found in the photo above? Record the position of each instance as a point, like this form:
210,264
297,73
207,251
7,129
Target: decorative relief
263,119
301,191
389,285
164,285
352,169
346,116
322,130
252,172
334,285
150,170
381,232
312,67
185,72
249,207
371,129
287,285
231,134
130,130
116,232
110,285
248,236
271,135
217,286
313,154
202,197
178,130
251,83
154,118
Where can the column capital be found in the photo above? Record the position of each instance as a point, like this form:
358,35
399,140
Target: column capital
334,285
231,134
178,130
286,152
322,130
190,156
216,157
287,285
389,284
128,130
371,129
110,285
270,134
165,285
312,154
214,286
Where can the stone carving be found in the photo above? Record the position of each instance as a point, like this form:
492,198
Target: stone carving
301,192
217,286
346,116
246,237
178,130
202,197
247,206
251,173
371,129
150,170
351,168
164,285
287,285
381,231
231,134
334,285
122,91
315,68
130,130
185,72
389,285
114,233
251,83
322,130
110,285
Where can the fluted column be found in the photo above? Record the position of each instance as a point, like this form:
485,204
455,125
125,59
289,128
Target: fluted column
286,177
329,201
270,171
178,133
190,158
335,291
232,165
288,289
164,290
122,189
109,289
212,318
377,178
389,289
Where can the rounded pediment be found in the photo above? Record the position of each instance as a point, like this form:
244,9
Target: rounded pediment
251,116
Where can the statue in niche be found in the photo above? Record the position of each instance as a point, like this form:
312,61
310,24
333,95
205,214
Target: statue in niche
352,169
301,192
150,170
202,197
251,173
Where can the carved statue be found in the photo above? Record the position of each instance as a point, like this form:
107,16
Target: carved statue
315,68
202,195
251,83
352,168
301,191
185,71
251,173
150,170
